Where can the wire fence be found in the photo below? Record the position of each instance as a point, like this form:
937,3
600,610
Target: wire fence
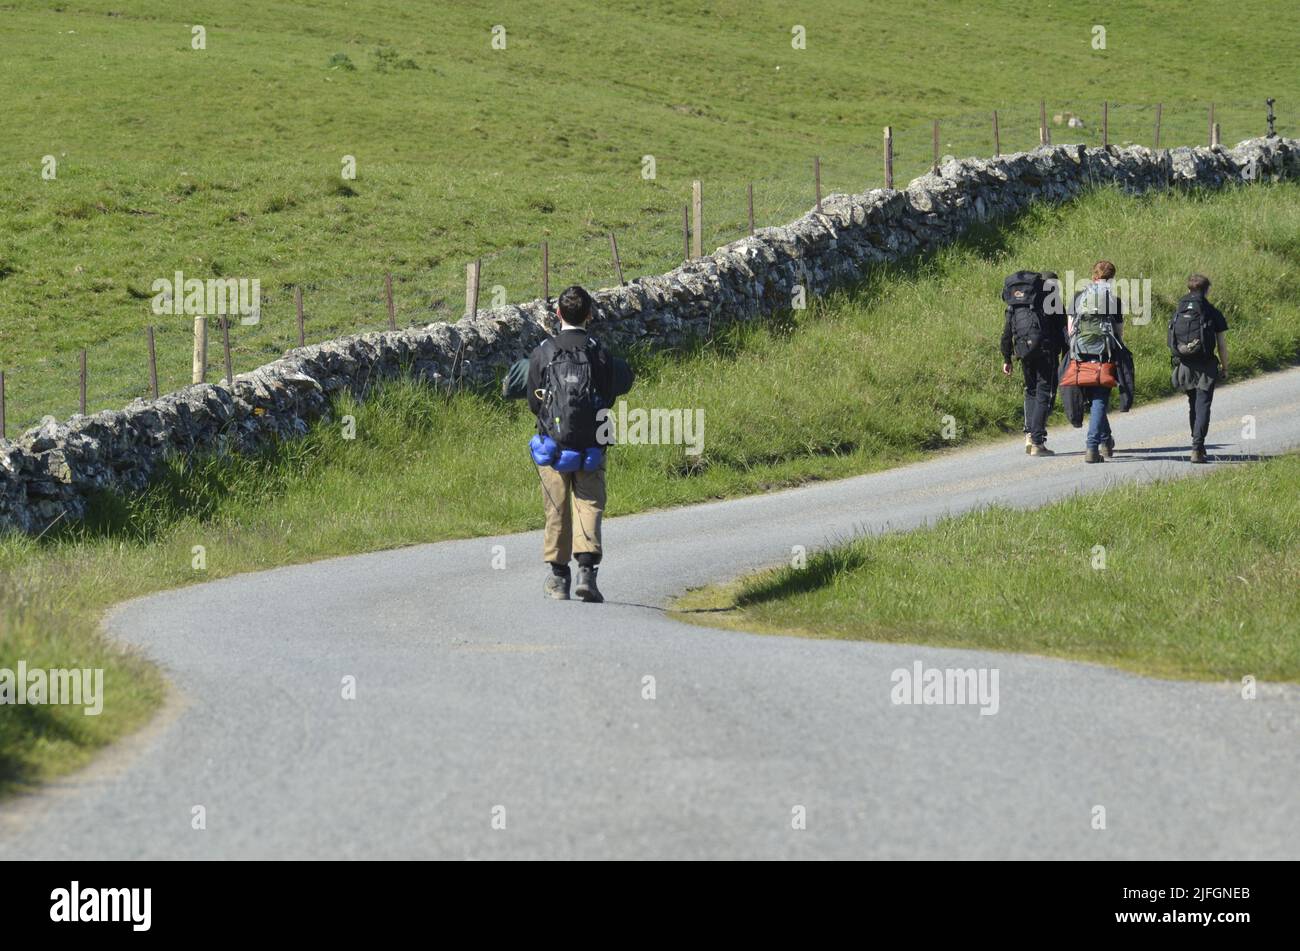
117,371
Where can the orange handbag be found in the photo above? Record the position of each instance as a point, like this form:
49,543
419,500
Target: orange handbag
1090,373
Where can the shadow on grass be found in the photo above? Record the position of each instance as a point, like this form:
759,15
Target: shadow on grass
823,568
27,725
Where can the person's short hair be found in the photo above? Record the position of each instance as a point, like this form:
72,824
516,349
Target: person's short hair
575,305
1198,283
1103,271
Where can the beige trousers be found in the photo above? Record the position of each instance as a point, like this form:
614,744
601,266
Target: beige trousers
575,504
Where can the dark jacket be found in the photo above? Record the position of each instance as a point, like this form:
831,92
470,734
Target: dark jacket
1197,373
602,365
1053,333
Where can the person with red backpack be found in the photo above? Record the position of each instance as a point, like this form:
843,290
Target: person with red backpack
570,378
1095,333
1199,353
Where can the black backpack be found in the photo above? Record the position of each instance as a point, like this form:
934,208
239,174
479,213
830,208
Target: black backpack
1189,331
568,410
1023,293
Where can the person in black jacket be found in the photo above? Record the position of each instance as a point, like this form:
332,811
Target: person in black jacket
572,499
1196,375
1038,367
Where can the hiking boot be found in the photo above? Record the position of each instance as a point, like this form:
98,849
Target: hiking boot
556,586
586,587
1092,455
1029,444
1107,449
1198,456
1038,449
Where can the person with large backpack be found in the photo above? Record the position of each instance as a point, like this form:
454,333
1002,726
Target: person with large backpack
1095,330
1199,353
570,378
1033,332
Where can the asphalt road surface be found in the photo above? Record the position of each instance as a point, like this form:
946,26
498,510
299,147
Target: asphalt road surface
480,704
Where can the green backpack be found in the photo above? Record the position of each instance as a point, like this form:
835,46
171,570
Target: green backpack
1094,324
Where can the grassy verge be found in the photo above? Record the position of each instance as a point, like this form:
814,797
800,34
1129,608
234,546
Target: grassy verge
860,381
1201,579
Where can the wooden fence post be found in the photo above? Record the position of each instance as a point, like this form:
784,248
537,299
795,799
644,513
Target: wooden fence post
546,273
618,265
934,143
225,339
817,181
1105,124
997,139
3,429
1215,139
472,272
1211,127
388,293
302,327
83,382
749,195
697,219
200,365
889,157
1159,109
1043,138
153,364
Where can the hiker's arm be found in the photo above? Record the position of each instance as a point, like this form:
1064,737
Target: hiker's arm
1221,341
623,376
607,379
1005,343
534,381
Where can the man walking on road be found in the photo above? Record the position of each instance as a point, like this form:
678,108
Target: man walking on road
570,377
1033,332
1199,349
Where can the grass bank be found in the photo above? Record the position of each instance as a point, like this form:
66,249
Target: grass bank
1199,578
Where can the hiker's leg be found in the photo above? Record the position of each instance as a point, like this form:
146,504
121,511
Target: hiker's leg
588,511
1096,415
557,540
1191,414
1201,400
1031,383
1042,399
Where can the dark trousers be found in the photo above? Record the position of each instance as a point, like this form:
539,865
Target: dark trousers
1198,414
1039,370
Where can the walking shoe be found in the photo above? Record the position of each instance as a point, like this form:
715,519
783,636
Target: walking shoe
1092,455
1107,449
1038,449
1029,444
586,587
1198,456
557,586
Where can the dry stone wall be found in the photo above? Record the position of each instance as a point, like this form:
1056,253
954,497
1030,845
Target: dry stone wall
48,473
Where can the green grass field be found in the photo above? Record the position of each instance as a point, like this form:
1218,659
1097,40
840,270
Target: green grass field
227,161
1207,588
858,382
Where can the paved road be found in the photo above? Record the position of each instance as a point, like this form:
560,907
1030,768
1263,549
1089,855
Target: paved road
473,693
